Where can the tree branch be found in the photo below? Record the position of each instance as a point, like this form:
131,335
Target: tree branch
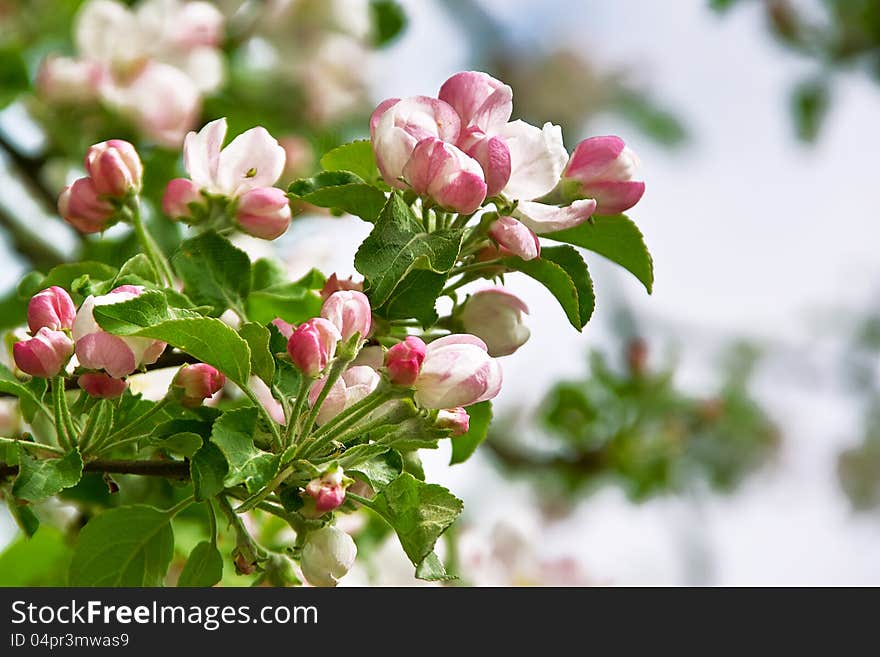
152,468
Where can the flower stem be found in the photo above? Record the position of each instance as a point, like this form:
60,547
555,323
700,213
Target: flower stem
116,438
293,419
273,425
336,370
60,426
30,444
148,244
340,430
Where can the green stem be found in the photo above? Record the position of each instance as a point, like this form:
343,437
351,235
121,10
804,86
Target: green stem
180,506
261,495
293,419
148,244
360,500
212,522
372,401
242,536
475,267
346,431
60,427
69,424
273,425
336,370
30,444
116,438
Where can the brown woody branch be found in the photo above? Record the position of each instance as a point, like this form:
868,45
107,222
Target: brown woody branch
153,468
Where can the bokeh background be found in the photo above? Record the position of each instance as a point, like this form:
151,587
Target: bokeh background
721,431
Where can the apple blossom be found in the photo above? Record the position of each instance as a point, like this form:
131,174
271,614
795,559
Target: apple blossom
43,355
448,176
99,350
263,212
602,168
197,382
312,345
328,490
70,80
115,167
355,383
349,311
397,126
51,308
543,218
457,371
327,556
101,385
81,206
252,160
181,194
455,419
515,237
404,361
495,316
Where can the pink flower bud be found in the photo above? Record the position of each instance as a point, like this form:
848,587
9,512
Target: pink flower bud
51,308
493,155
602,168
403,361
479,99
313,345
495,316
441,171
457,371
397,126
198,382
515,237
80,205
43,355
264,212
178,198
350,312
115,167
335,284
96,349
328,490
456,419
102,386
68,80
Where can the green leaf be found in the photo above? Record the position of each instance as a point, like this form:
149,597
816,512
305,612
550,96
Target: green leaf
292,302
185,443
419,513
41,560
389,20
356,157
233,434
342,191
204,566
135,270
378,471
562,271
207,339
23,515
617,238
478,427
432,569
215,273
266,272
64,276
398,245
41,478
126,546
12,386
13,74
415,297
208,469
262,361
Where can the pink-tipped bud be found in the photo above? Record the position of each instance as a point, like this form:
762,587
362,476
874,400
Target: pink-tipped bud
115,167
102,386
313,345
495,316
51,308
180,196
403,361
492,153
264,212
457,371
336,284
283,327
81,206
328,490
442,172
350,312
197,383
602,168
515,237
43,355
456,419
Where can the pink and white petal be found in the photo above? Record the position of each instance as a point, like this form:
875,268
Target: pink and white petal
455,339
537,159
380,110
592,157
107,352
201,153
616,197
253,159
543,218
